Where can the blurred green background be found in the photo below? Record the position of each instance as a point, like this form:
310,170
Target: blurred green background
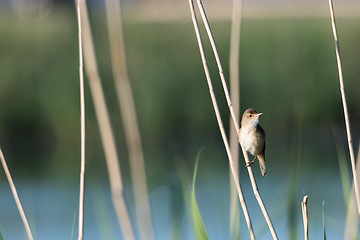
288,71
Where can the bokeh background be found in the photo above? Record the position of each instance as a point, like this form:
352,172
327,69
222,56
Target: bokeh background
288,71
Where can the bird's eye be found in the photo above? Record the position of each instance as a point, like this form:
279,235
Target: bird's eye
250,115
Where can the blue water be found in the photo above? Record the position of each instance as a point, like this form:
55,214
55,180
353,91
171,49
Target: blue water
50,208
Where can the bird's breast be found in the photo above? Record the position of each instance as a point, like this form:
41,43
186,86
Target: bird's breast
248,139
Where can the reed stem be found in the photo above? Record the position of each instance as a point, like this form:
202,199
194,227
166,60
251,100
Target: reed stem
16,197
305,217
235,121
107,137
343,98
219,121
82,123
128,113
235,98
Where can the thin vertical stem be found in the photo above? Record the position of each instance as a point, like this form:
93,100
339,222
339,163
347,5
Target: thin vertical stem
346,114
258,196
219,121
128,113
217,58
107,137
305,217
235,98
16,197
235,121
82,123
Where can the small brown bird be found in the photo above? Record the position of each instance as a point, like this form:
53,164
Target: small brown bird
252,137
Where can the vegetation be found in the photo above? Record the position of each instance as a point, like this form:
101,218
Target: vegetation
287,66
287,70
199,228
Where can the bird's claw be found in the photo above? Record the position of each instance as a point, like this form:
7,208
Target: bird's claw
248,164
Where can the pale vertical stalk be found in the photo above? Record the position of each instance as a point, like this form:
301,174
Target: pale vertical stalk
346,114
108,141
235,97
16,197
128,113
219,121
305,217
82,123
352,218
218,62
258,196
235,121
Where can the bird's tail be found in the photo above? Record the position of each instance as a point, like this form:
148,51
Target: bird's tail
261,158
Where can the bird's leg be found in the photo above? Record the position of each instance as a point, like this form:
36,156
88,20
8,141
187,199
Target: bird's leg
251,162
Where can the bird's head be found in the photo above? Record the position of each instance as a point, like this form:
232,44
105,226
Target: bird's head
250,117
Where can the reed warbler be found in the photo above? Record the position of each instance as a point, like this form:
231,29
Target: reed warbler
252,137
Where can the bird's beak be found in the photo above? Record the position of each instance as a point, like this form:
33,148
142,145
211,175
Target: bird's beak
258,114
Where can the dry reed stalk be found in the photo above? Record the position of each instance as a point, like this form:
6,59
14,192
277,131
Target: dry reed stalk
346,114
128,113
108,141
82,123
352,218
235,97
221,126
16,197
235,121
305,217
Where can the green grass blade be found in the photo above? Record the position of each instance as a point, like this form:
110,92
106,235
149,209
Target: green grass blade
344,170
73,227
199,227
323,219
1,236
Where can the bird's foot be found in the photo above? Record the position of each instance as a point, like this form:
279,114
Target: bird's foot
248,164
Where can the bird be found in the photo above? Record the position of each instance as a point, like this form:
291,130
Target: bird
252,137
